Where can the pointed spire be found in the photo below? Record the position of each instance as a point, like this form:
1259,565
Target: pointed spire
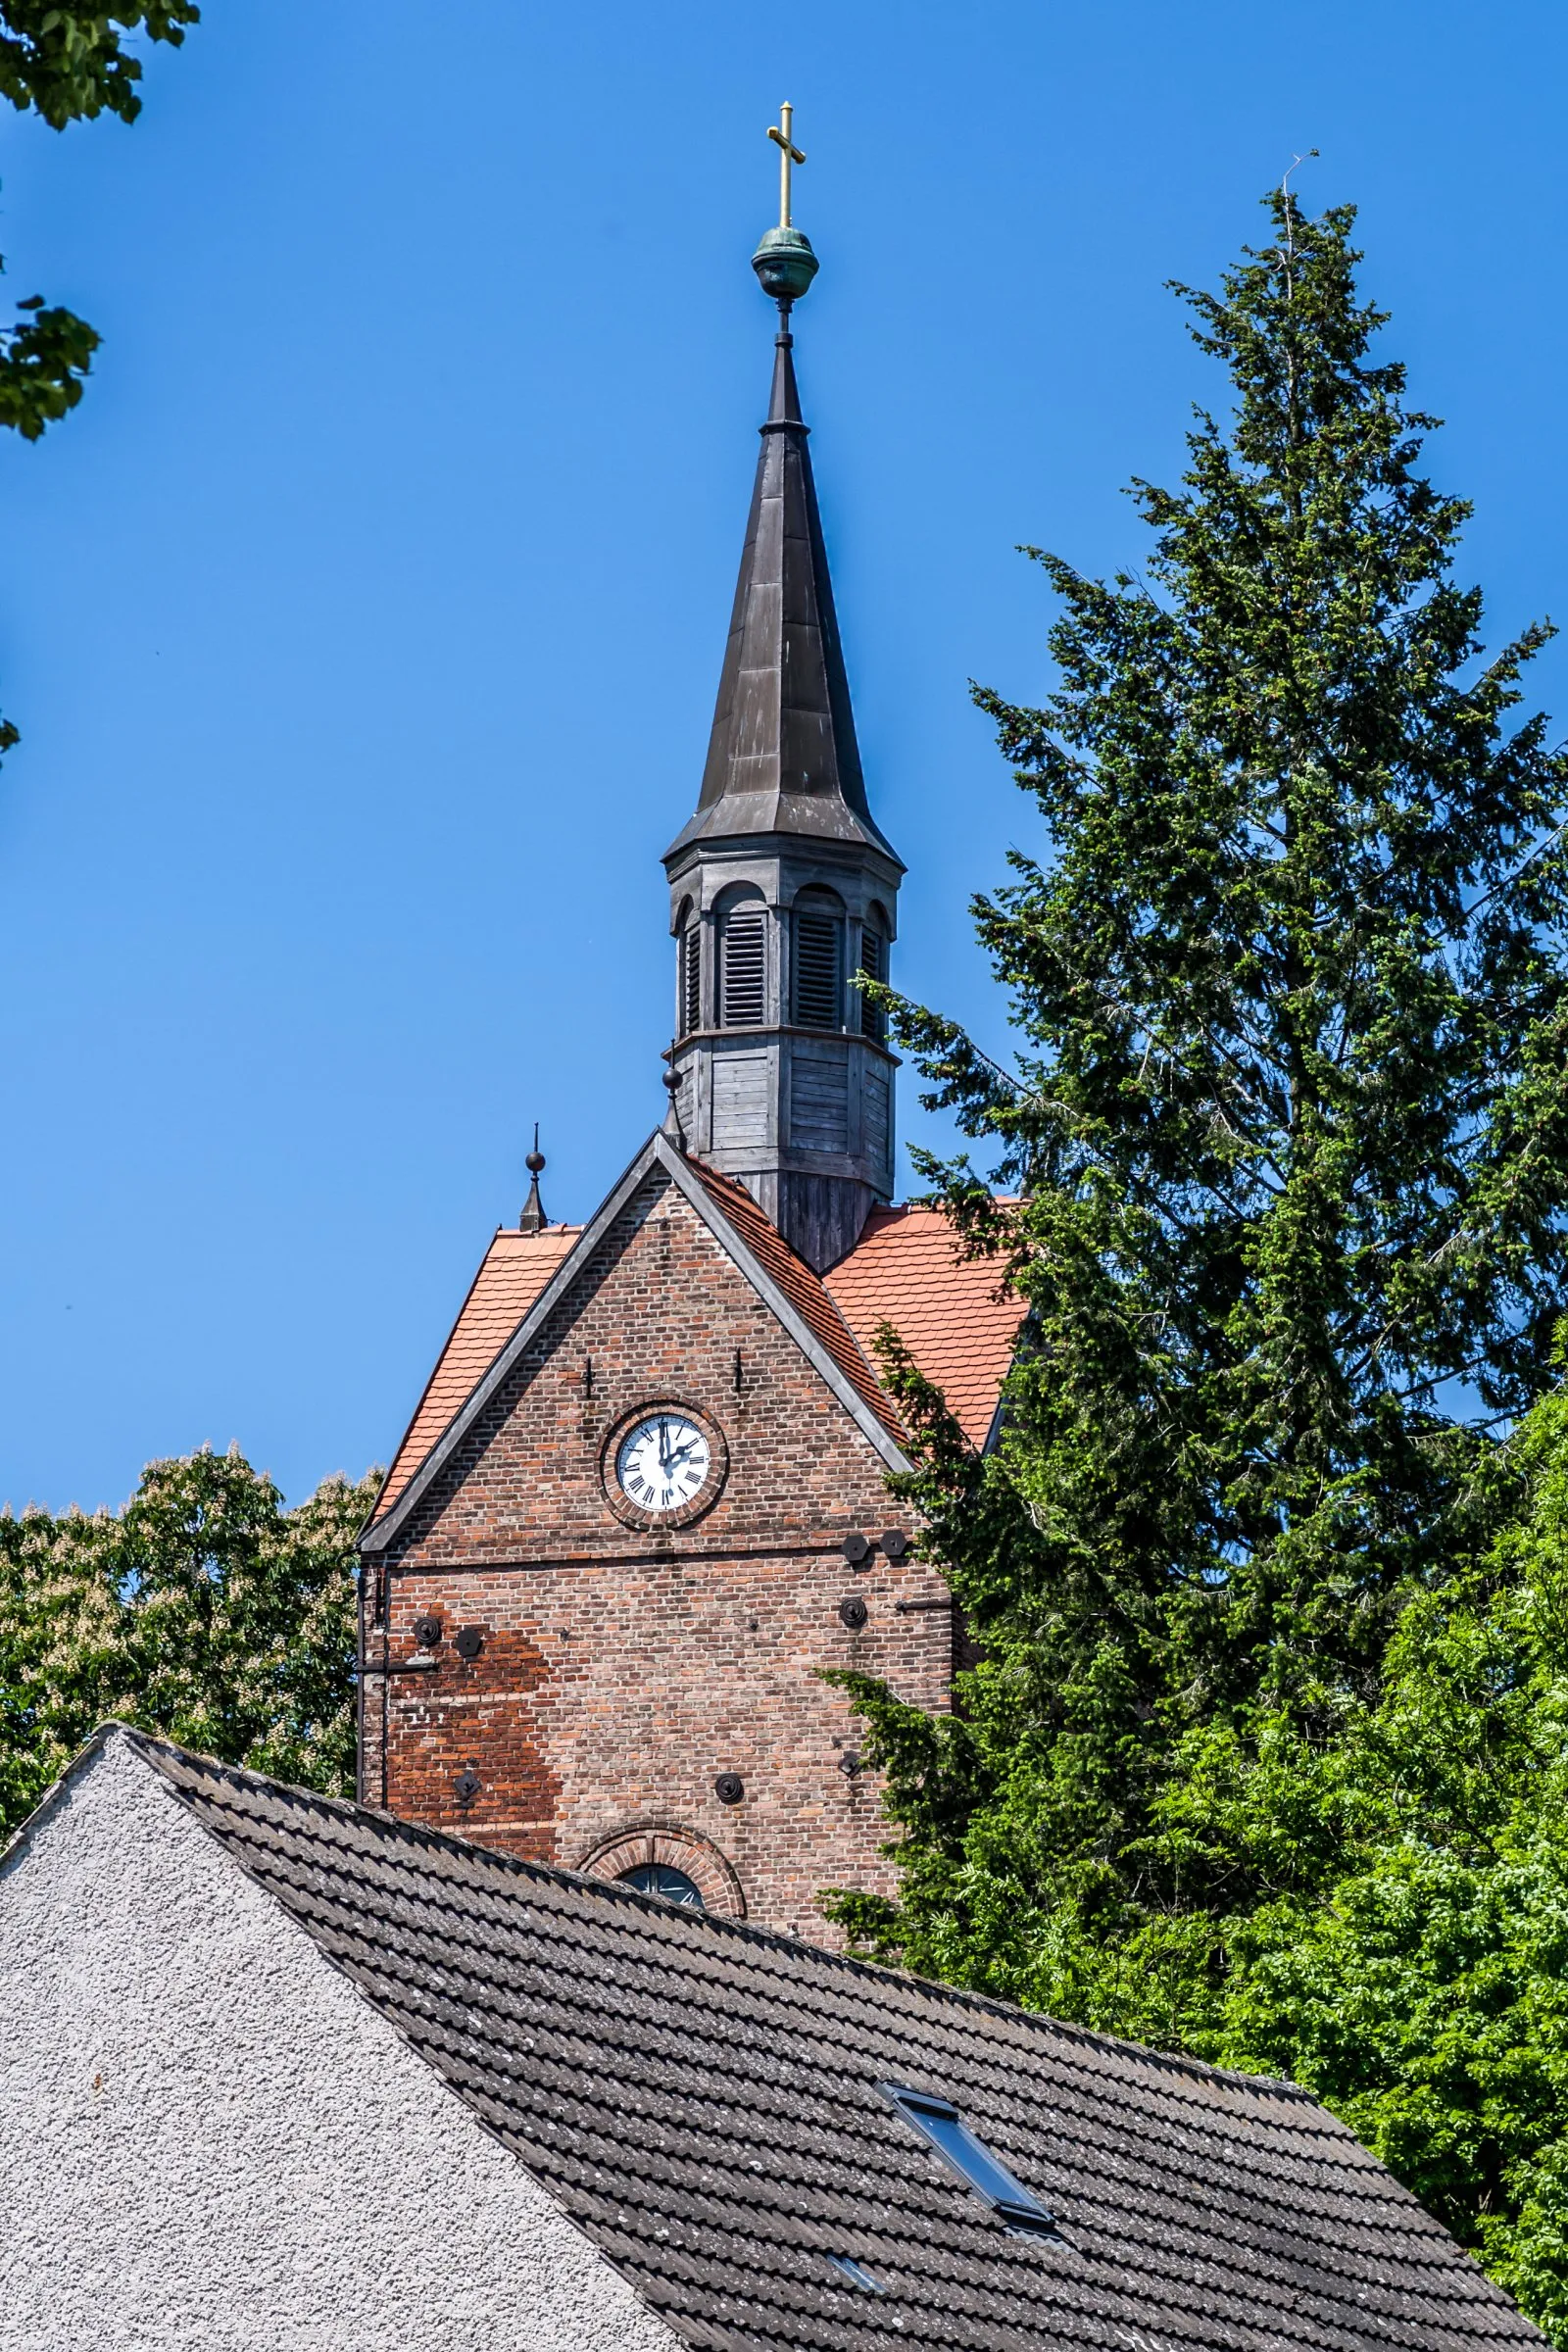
781,887
533,1218
784,406
782,757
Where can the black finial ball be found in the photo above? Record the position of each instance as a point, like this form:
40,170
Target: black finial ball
672,1080
535,1162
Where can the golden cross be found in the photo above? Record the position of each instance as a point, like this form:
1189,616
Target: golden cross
789,154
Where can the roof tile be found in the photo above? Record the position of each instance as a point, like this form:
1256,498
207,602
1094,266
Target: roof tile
952,1314
515,1269
701,2097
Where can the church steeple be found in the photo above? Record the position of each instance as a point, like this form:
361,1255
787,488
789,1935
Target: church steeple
782,757
782,886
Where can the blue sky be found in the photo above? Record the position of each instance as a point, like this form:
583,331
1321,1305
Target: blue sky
363,622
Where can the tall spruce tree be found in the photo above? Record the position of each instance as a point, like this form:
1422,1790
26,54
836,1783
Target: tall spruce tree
1288,1136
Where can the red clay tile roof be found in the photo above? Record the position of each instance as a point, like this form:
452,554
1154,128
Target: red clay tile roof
803,1289
950,1313
517,1267
904,1270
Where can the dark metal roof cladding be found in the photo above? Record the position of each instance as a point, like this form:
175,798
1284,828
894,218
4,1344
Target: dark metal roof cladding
702,2098
782,757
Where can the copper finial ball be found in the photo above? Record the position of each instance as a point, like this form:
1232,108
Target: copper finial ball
785,263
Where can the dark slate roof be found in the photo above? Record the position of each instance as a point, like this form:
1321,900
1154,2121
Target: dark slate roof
702,2098
782,757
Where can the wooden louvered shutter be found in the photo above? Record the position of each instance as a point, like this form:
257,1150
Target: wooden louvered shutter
816,971
691,978
743,968
874,964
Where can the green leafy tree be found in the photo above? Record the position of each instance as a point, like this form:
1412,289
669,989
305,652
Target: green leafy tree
69,64
204,1610
1287,1141
66,63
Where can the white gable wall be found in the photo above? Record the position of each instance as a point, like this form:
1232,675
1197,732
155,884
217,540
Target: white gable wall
209,2140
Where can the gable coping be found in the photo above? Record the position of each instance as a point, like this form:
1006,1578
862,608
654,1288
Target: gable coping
657,1153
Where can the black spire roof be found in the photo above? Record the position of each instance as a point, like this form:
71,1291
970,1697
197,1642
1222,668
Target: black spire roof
782,757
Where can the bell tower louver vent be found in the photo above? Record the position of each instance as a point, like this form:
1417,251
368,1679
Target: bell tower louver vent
691,978
816,971
743,968
874,964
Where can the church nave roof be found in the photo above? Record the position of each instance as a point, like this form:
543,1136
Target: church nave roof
905,1270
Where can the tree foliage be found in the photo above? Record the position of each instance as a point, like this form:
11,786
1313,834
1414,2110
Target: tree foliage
1421,1986
1287,1141
66,63
43,364
69,64
204,1610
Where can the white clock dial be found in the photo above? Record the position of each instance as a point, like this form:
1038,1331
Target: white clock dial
662,1462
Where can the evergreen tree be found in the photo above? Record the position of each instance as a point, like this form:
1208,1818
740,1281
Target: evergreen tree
204,1610
1288,1136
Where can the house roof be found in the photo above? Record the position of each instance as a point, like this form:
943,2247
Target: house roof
703,2099
951,1312
905,1270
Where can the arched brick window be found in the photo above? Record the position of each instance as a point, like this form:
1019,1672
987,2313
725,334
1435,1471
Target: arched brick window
654,1848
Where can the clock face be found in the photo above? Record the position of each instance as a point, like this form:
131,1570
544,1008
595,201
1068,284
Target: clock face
663,1461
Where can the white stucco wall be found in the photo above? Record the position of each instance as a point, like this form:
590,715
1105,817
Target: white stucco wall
209,2140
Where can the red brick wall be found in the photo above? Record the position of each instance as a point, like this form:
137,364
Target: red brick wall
623,1672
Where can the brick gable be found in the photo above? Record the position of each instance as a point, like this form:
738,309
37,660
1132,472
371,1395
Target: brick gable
623,1671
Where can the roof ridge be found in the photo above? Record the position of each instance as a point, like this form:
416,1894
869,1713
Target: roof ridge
709,1922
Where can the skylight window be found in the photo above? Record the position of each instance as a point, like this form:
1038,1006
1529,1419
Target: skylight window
939,2122
857,2275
